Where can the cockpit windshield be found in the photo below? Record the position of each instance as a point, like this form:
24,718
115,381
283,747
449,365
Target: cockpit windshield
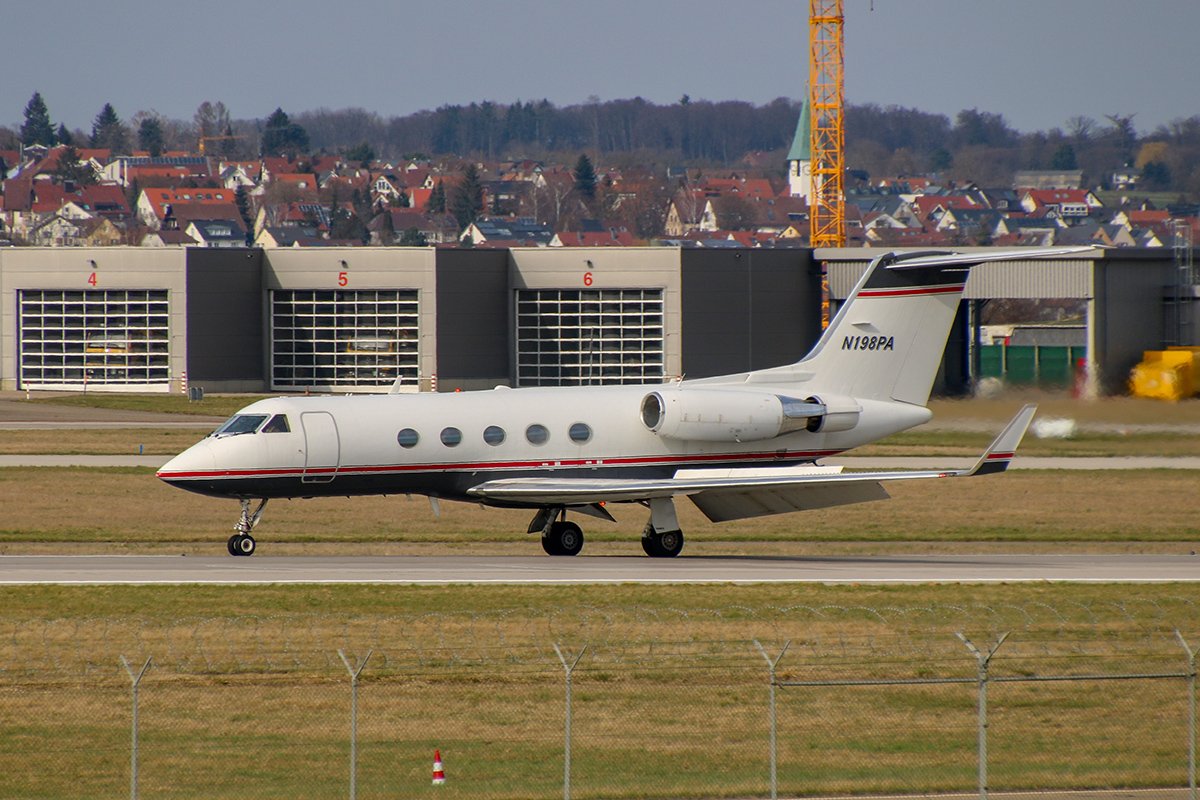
240,423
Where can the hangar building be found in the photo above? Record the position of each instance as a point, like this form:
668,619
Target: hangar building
359,319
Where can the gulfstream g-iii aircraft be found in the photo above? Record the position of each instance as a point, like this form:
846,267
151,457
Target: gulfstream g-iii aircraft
737,446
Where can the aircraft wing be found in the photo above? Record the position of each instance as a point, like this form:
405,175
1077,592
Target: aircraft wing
728,494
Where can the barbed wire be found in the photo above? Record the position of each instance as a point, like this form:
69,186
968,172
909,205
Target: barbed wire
828,636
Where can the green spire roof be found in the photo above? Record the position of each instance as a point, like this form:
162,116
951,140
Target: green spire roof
800,143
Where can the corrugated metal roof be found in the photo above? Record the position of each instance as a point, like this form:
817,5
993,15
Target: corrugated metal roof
1036,278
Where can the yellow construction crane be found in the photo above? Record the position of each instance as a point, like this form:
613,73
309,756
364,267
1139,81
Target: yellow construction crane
826,101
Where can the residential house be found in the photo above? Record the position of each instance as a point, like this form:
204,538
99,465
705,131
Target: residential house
216,232
124,170
613,237
1048,179
501,232
167,238
435,228
1062,203
291,236
154,205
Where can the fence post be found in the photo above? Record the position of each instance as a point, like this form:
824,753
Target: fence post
354,673
569,669
135,680
984,661
1191,654
771,665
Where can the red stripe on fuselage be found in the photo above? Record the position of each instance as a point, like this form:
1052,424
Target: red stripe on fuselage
642,461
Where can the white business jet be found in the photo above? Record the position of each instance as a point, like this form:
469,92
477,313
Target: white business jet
737,446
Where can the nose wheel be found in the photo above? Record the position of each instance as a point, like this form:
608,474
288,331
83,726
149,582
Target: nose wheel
242,543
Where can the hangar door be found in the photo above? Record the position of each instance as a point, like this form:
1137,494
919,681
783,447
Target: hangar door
102,339
573,337
340,340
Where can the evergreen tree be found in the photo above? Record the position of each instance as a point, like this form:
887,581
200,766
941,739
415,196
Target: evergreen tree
281,136
386,228
151,137
63,136
70,169
109,132
585,177
361,154
437,200
1064,158
242,200
467,201
37,128
412,237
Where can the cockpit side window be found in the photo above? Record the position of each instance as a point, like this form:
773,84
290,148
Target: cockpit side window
240,423
278,424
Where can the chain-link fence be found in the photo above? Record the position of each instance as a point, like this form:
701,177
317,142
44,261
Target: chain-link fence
251,709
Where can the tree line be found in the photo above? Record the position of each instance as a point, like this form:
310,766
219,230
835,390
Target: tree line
976,145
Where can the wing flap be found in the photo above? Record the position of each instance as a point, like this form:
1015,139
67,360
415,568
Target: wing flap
725,506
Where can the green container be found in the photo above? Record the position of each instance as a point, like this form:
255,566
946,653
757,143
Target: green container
1021,362
991,361
1054,366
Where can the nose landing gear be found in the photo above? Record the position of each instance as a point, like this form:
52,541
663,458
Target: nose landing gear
242,543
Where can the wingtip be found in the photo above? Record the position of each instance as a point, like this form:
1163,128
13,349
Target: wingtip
999,454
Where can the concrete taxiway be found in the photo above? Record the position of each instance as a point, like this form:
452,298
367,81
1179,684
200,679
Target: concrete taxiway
434,570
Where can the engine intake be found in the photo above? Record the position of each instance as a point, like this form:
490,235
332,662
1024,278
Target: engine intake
729,415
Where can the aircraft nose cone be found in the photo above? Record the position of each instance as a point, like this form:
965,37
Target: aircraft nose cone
190,463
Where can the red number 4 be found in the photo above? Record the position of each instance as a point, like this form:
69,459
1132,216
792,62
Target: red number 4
92,281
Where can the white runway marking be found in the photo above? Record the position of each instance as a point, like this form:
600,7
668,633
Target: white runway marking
442,570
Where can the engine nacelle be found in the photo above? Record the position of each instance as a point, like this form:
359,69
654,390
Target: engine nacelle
838,414
715,415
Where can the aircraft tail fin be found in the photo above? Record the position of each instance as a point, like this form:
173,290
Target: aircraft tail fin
888,338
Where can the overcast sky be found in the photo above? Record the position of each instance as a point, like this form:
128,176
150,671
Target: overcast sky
1037,62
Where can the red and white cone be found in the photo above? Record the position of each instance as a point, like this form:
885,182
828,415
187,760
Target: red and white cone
439,774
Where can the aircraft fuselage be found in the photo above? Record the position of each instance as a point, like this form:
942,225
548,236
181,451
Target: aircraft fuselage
443,444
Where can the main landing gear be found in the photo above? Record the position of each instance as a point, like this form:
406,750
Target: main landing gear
559,537
242,543
667,544
661,537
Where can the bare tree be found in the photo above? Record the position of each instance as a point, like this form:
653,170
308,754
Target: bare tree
1081,128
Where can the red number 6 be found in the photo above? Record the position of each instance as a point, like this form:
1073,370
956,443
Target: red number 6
587,279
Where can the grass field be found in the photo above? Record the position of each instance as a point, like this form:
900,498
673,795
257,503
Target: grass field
247,697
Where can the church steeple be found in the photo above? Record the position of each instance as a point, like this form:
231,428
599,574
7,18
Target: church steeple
800,157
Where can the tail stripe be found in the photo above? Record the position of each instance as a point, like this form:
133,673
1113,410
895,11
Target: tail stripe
924,290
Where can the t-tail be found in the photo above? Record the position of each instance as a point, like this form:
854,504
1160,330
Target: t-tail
888,338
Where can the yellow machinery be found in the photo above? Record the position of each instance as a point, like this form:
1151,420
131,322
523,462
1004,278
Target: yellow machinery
1170,374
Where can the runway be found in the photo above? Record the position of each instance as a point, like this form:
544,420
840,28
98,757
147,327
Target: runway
442,570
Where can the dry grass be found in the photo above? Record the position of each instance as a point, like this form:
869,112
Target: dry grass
119,510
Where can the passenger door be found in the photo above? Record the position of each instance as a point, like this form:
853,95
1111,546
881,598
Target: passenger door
322,448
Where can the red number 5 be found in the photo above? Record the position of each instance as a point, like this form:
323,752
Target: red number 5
343,279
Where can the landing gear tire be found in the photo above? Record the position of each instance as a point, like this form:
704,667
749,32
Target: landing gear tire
241,544
563,539
667,544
